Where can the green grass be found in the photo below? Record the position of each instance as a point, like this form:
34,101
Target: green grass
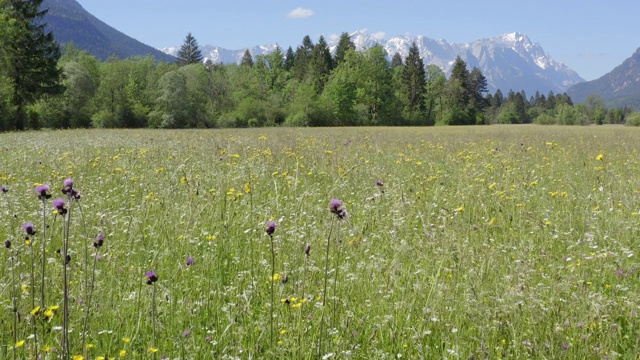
501,241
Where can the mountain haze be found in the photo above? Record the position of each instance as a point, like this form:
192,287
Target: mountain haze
509,62
620,87
71,23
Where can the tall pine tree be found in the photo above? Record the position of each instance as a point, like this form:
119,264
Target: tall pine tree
189,52
29,56
344,45
414,81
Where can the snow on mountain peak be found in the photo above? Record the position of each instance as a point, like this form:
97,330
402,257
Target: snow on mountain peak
509,61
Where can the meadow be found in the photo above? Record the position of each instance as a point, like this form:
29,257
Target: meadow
458,243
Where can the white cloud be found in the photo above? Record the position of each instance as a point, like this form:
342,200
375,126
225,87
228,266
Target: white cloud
300,13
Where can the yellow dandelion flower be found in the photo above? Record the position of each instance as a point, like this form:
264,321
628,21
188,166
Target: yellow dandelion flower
78,357
47,348
27,242
247,188
100,358
20,343
24,288
276,277
35,311
297,305
126,340
89,346
600,157
48,313
123,353
152,349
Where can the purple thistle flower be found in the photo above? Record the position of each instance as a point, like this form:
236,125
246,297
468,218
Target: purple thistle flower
67,187
271,228
379,183
29,228
7,244
337,207
151,277
190,260
99,241
42,192
58,204
3,188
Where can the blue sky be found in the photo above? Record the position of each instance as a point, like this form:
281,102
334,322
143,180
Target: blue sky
591,37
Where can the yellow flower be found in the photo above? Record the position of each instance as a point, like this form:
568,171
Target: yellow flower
283,331
123,353
78,357
35,311
492,221
48,313
600,157
126,340
89,346
247,188
100,358
152,349
276,277
19,343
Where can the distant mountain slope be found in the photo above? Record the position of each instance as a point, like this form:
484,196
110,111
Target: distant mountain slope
509,62
620,87
70,22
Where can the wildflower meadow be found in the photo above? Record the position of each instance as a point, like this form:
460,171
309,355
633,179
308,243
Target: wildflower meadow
363,243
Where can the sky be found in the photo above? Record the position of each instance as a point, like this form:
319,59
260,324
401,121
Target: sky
590,36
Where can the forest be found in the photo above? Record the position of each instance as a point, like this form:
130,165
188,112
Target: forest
45,87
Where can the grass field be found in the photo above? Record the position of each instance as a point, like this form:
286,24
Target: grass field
482,242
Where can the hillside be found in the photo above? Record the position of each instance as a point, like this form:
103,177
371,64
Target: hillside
71,23
620,87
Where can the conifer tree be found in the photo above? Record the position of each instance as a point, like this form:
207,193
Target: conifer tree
247,60
413,79
288,59
189,52
320,64
29,56
344,44
396,60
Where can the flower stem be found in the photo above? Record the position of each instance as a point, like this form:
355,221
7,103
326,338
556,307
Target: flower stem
324,292
273,270
86,316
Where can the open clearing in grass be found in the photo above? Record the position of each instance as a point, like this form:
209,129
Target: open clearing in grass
501,241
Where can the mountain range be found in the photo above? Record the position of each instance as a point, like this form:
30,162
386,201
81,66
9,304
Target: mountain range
509,62
71,23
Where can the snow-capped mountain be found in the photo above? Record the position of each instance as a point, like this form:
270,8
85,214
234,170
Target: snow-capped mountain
509,62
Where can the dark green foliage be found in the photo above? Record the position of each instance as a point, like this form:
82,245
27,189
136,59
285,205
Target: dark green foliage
29,56
189,52
396,60
413,83
247,60
344,45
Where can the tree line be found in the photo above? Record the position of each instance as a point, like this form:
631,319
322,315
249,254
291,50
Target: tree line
305,86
